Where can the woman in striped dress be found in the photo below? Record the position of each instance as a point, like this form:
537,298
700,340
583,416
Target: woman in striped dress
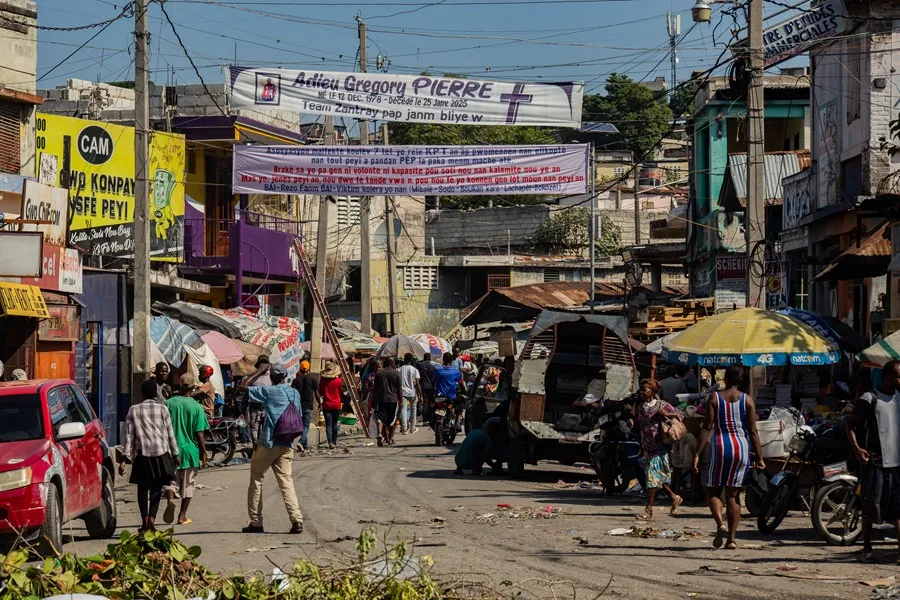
729,428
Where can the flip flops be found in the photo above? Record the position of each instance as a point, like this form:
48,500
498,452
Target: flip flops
677,501
721,534
169,514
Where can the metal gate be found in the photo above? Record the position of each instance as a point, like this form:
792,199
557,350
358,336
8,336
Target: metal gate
97,372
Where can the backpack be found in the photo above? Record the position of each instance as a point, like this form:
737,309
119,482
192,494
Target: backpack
289,425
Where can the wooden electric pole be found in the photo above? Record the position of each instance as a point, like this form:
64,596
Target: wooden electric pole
756,165
365,242
315,340
389,246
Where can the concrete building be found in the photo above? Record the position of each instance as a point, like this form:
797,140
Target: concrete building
715,220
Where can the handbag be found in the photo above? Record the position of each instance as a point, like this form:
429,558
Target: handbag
672,430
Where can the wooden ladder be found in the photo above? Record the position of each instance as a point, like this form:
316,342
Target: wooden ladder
330,335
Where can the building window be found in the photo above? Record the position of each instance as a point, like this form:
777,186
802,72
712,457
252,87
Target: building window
420,277
620,171
497,281
672,173
551,275
347,210
191,160
802,295
854,73
10,134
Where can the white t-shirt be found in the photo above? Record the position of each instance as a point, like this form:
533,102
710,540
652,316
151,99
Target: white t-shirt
408,376
887,414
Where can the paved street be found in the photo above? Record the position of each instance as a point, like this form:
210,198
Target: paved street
410,492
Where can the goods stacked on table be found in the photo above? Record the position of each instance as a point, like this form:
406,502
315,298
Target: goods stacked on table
663,320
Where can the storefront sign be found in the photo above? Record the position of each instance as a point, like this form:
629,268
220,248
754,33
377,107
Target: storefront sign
411,170
61,271
62,326
19,300
20,253
100,178
777,287
731,283
46,203
796,199
796,35
407,98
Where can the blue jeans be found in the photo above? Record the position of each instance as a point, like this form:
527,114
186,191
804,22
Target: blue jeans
307,419
408,414
332,426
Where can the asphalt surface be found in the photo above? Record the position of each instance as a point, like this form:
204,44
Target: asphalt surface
553,538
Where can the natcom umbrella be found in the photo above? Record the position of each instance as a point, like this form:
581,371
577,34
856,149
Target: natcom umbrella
398,346
433,344
753,337
831,328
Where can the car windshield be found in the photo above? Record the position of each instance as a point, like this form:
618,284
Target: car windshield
21,418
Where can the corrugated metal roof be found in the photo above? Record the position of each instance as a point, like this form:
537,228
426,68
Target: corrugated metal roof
598,127
778,166
870,258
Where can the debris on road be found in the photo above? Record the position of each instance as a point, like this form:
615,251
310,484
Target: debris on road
650,532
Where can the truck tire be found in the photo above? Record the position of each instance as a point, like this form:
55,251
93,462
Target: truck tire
51,542
101,522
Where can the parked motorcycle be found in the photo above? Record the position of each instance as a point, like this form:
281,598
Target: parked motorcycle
221,440
811,456
444,422
615,457
837,507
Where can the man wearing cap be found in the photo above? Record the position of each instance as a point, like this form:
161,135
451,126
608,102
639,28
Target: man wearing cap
189,423
307,386
269,453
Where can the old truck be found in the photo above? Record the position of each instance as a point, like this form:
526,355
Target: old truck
567,357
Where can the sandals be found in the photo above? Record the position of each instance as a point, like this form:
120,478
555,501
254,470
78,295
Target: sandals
677,501
721,534
644,516
731,546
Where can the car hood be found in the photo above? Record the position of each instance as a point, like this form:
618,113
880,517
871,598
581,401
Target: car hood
15,455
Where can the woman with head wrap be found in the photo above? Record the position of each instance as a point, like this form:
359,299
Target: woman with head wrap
651,410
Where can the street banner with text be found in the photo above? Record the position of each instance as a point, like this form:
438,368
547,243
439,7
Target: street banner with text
411,170
802,31
407,98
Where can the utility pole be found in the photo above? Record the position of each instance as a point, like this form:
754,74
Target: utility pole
140,352
592,233
315,341
673,27
389,233
637,205
756,166
365,245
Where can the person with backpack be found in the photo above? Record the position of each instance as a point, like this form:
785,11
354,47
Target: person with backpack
281,425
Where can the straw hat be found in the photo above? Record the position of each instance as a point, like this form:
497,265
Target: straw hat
330,370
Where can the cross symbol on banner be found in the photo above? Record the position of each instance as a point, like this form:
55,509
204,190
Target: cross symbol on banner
514,99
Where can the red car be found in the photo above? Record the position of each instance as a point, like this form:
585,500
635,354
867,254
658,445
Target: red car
55,465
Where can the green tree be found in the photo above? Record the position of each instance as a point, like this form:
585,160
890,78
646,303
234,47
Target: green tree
566,231
681,102
641,119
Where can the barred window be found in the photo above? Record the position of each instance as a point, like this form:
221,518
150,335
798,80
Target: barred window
620,171
10,137
420,277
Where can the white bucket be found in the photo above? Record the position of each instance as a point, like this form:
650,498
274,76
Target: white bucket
771,437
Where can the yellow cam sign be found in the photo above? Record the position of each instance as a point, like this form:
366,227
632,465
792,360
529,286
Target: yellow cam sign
96,161
19,300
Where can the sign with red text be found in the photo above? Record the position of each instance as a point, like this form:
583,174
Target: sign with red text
407,98
60,271
411,170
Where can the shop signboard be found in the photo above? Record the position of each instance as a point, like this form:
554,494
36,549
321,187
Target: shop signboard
46,203
62,326
411,170
802,31
731,283
95,161
407,98
21,253
18,300
60,272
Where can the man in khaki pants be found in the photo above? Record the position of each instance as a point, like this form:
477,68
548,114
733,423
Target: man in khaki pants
270,454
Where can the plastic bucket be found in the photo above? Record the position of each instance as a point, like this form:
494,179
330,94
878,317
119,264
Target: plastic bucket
771,437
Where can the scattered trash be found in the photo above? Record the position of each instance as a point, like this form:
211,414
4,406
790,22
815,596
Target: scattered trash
561,482
278,576
582,541
406,568
691,595
402,468
343,538
366,445
890,540
885,582
458,509
667,533
572,531
620,531
437,520
581,469
504,506
890,593
787,567
265,549
484,517
650,532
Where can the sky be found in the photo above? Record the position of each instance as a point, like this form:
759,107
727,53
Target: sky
529,40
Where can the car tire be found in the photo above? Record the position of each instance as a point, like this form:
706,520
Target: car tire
51,540
101,522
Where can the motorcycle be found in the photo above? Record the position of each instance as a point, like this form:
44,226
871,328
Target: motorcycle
811,456
221,440
837,506
444,422
615,458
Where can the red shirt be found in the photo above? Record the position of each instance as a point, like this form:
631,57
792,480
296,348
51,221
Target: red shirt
331,393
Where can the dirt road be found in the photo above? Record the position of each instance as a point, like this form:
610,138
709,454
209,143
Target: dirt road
409,492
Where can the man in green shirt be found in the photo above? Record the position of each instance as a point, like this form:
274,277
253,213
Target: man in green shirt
189,422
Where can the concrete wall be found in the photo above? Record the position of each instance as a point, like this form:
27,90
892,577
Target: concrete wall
18,66
484,231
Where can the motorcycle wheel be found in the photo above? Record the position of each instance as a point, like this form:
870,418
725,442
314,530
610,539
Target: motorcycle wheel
222,446
754,495
609,472
449,429
837,513
776,504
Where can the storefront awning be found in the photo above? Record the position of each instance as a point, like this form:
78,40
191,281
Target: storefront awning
17,300
870,258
